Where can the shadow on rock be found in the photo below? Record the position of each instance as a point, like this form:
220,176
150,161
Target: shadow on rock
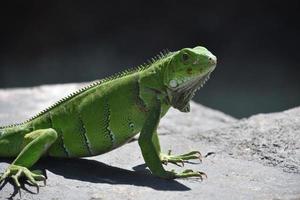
97,172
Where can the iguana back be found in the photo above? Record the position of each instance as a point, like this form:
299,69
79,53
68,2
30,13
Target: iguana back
92,121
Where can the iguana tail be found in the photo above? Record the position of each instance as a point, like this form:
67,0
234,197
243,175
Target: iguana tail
11,140
1,131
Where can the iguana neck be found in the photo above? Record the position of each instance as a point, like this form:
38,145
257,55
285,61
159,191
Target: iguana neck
152,85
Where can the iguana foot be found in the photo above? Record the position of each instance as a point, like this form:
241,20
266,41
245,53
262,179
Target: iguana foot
185,174
176,159
190,173
15,172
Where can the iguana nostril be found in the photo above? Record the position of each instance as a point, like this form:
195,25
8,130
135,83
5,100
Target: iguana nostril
213,60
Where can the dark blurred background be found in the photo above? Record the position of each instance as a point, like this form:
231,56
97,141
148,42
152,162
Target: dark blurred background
256,42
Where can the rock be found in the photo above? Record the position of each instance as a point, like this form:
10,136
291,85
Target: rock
270,139
254,158
17,105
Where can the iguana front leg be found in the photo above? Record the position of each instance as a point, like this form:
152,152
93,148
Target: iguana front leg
150,148
37,143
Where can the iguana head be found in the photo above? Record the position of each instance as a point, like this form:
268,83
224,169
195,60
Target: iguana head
186,72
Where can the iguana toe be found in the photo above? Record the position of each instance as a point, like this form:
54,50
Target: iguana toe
190,173
15,172
176,159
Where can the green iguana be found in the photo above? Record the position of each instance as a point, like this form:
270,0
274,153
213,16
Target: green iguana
108,113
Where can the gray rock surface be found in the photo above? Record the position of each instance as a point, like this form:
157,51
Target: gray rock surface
254,158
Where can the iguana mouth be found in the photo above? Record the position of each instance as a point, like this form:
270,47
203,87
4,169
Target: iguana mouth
180,96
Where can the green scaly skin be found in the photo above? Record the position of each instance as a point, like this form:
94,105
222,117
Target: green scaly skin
108,113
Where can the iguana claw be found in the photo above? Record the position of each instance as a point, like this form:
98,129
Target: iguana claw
185,174
15,172
190,173
175,159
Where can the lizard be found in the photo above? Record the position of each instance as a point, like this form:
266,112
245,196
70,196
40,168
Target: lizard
108,113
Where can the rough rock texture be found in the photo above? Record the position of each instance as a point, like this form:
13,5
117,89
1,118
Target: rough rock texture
254,158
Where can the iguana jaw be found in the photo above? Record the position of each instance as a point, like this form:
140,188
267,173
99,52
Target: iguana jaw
180,96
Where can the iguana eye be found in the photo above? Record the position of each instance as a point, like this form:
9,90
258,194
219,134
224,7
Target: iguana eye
131,125
185,57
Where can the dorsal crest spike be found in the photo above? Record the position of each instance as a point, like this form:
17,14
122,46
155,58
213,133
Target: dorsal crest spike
165,53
